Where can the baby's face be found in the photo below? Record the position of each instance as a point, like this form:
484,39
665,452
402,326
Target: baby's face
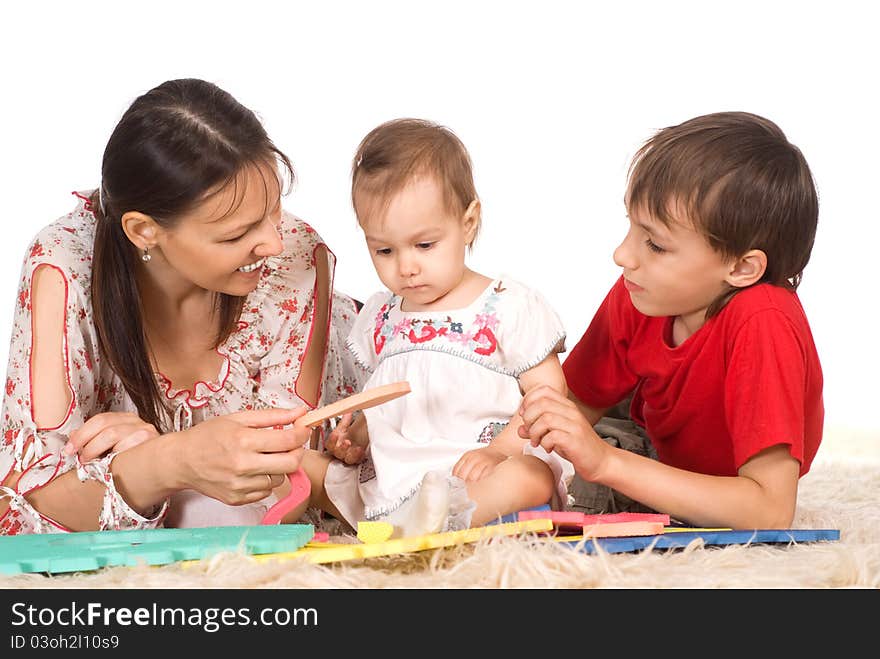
417,245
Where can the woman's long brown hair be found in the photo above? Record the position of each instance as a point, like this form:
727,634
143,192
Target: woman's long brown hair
173,145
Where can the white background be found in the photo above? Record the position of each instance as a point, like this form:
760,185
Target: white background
551,102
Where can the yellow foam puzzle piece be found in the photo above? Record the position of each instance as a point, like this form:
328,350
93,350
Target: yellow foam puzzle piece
370,532
332,553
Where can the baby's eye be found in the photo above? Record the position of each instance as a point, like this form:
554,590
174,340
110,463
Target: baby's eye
384,251
424,245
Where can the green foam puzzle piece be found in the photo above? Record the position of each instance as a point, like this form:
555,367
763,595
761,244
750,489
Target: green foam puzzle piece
91,550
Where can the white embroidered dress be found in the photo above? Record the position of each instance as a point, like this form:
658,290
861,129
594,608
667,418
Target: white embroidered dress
462,367
260,369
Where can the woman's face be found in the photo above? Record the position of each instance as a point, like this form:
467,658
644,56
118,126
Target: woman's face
221,245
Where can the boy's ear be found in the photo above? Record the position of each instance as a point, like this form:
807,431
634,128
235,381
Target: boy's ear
141,229
747,269
471,220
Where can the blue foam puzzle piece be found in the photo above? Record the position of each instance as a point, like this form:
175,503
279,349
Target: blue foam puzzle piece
91,550
681,539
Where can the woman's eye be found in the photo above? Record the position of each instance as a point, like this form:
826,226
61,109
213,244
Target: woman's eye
232,240
385,251
424,245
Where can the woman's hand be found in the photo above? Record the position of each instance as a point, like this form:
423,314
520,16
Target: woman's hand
109,431
348,441
478,463
229,457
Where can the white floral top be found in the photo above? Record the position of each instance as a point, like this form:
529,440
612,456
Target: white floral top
463,368
260,367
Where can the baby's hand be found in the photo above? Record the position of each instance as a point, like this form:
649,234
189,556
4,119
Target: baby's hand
478,463
344,443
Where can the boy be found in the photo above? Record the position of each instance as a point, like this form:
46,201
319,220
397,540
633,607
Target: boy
704,330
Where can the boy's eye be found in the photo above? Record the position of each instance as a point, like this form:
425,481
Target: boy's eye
424,245
654,247
384,251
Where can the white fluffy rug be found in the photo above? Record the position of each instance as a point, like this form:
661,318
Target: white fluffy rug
842,491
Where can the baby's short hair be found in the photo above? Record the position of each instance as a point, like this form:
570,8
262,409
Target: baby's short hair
395,152
742,183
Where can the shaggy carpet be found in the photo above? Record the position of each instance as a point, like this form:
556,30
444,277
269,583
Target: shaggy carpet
840,492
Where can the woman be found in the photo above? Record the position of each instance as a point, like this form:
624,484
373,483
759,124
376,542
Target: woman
167,329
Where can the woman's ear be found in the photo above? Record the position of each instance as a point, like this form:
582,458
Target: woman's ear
747,269
471,220
141,229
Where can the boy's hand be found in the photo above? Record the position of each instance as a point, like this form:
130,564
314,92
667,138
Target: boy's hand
478,463
552,421
345,444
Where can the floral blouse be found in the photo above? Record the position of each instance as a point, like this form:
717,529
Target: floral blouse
260,366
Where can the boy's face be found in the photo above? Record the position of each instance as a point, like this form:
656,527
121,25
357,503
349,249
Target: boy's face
671,271
417,245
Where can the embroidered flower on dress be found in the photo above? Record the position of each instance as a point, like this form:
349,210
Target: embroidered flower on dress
480,340
491,431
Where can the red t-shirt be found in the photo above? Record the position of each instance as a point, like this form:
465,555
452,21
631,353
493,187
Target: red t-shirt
747,380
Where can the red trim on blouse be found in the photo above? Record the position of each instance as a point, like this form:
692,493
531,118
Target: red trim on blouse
88,204
191,393
66,355
312,326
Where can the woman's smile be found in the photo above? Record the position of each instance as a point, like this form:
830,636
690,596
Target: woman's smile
247,269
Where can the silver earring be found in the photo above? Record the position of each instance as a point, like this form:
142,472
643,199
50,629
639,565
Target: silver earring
145,257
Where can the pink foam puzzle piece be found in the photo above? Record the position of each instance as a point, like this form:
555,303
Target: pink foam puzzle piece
573,519
611,518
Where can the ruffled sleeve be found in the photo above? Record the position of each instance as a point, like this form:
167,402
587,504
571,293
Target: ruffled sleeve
278,325
528,329
366,338
37,452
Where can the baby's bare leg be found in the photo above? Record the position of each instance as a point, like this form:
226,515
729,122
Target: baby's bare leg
520,482
314,464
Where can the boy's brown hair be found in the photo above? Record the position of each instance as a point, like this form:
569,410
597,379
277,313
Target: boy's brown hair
743,185
395,152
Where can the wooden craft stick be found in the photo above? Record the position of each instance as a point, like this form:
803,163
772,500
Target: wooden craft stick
361,401
300,487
